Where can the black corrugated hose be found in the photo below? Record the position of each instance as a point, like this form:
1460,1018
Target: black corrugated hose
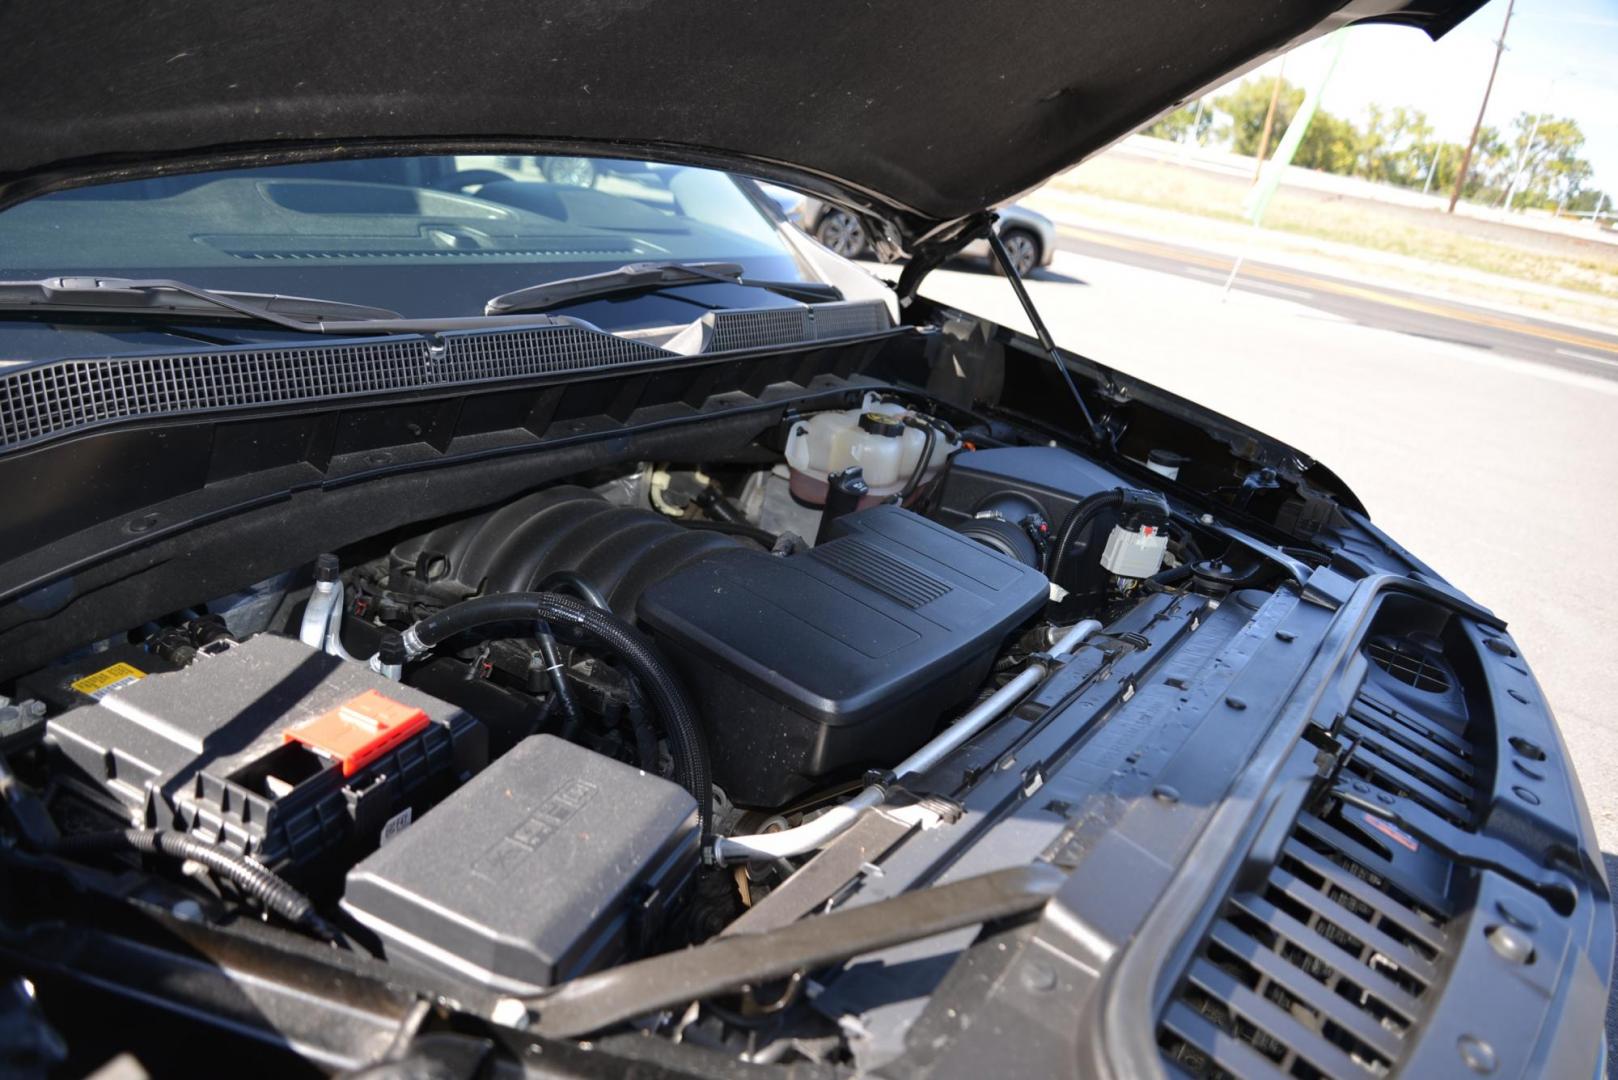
1077,518
262,884
667,696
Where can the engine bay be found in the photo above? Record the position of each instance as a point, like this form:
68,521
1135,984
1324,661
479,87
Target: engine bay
606,719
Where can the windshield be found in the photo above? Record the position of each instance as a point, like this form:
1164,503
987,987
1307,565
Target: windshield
424,236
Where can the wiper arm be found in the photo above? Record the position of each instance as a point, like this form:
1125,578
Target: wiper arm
160,297
637,277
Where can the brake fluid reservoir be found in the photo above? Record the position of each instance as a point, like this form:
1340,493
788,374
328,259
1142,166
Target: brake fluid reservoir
874,437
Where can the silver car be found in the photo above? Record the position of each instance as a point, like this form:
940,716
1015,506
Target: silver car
1030,236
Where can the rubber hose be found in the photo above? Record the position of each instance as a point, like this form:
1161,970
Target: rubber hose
1077,518
558,678
712,500
572,581
667,696
262,884
1168,579
730,528
925,460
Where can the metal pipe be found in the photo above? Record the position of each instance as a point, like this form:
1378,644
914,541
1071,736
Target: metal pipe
317,615
816,834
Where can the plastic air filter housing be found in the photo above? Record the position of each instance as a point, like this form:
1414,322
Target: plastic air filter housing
812,667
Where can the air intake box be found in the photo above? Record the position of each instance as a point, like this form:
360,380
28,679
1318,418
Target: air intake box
812,667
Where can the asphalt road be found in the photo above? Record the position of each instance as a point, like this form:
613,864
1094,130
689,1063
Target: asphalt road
1572,349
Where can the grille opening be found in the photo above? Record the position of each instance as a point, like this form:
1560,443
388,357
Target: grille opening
1306,838
1443,731
1191,1060
1446,767
1232,1024
1334,955
1357,906
1443,804
1409,664
1346,941
1338,935
1200,993
1352,992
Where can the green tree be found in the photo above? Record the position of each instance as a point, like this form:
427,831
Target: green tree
1246,105
1544,162
1331,145
1395,146
1398,146
1590,200
1183,124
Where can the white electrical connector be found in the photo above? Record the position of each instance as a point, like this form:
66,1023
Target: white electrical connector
1135,553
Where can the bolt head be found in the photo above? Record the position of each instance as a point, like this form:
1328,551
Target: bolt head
1512,944
510,1012
1478,1055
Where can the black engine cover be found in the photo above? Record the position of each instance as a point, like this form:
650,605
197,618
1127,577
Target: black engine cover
811,667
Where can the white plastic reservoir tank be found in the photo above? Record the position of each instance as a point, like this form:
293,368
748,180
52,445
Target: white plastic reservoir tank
874,437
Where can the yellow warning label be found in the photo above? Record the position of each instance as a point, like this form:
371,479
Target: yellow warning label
108,679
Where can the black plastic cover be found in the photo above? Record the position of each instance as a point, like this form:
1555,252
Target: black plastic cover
548,865
814,666
203,750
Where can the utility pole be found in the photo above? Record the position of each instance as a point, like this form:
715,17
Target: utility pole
1269,120
1472,144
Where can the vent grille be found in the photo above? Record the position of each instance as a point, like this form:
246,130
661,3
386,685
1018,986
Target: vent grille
340,254
850,318
1325,968
880,571
1413,757
67,395
759,329
1410,665
63,396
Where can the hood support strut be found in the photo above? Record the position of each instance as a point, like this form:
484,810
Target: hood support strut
1098,434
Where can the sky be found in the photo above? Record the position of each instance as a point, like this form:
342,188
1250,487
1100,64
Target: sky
1561,57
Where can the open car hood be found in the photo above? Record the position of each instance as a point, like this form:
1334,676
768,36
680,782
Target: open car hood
920,116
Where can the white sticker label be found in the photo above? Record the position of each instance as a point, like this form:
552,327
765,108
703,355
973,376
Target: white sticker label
395,825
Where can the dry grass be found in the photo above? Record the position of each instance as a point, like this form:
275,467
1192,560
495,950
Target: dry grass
1589,267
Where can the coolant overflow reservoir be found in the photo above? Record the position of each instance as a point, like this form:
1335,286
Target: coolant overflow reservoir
874,437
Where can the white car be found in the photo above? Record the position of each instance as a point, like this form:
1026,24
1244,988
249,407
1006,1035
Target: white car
1030,236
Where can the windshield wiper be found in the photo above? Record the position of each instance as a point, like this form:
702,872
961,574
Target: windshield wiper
175,301
162,298
636,277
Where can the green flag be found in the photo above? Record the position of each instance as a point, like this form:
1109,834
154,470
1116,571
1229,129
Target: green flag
1259,198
